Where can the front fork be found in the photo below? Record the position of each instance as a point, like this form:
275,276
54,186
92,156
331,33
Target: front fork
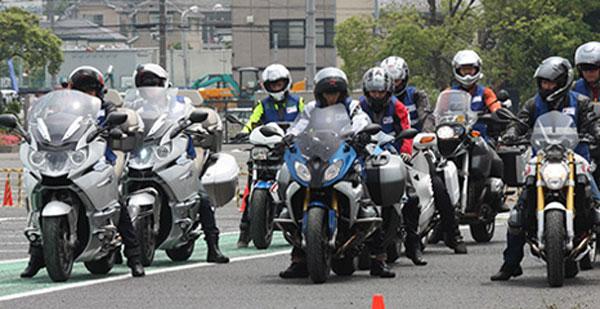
332,213
570,201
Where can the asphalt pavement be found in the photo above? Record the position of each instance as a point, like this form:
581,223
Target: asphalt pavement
251,280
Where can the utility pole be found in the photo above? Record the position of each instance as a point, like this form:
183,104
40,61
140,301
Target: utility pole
275,47
376,31
162,30
310,51
50,12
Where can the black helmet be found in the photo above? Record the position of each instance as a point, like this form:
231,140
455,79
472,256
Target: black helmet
86,79
151,75
330,80
558,70
377,79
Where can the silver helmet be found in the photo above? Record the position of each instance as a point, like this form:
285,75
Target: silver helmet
274,73
464,58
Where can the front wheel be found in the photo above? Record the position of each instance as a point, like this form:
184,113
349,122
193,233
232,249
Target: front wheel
344,266
101,266
144,229
554,237
483,232
261,219
182,253
58,253
318,257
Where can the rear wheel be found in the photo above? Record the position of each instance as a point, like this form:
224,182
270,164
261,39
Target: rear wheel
182,253
261,219
58,253
145,233
344,266
318,257
101,266
554,237
483,232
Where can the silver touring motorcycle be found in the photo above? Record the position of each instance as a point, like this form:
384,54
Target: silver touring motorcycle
72,195
163,181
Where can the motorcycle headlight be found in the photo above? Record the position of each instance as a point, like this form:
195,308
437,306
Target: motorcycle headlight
555,175
144,155
37,158
162,152
259,153
78,157
302,171
333,171
445,132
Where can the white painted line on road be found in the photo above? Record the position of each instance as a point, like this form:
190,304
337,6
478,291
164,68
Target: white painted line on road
148,273
13,219
16,243
13,261
13,251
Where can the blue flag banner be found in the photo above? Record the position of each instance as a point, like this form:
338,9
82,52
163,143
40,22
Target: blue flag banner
13,76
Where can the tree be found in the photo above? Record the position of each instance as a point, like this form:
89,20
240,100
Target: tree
22,37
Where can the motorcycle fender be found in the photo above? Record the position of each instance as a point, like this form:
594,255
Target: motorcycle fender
568,222
140,204
57,209
262,184
331,218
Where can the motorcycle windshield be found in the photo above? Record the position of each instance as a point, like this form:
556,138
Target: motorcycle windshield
454,106
554,128
325,132
158,108
62,117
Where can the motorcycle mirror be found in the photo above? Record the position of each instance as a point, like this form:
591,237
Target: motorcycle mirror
198,116
116,118
9,121
503,95
233,119
269,131
371,129
407,134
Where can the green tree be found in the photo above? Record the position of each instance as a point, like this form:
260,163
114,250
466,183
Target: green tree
22,37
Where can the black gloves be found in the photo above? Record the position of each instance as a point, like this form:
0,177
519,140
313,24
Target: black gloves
240,137
510,135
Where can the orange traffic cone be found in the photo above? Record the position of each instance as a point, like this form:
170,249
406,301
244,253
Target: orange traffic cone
378,302
8,200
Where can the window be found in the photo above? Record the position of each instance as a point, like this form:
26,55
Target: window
97,19
325,32
289,33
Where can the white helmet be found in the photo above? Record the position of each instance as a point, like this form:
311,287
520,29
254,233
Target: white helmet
397,68
151,75
274,73
588,53
463,58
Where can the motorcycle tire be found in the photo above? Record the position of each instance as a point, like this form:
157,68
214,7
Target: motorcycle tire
144,229
554,237
182,253
58,253
261,219
344,266
318,257
101,266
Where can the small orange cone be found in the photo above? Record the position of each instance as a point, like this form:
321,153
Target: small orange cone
8,200
378,302
245,198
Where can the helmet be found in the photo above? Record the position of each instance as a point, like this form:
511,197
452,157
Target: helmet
86,79
556,69
272,74
587,54
463,58
397,69
328,80
377,79
151,75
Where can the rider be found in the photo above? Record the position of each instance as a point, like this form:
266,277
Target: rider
386,110
587,61
279,106
153,75
421,118
331,87
554,77
416,101
90,80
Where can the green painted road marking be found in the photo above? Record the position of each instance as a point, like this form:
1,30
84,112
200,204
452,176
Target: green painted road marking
11,283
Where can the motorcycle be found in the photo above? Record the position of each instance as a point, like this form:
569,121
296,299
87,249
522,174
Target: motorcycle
264,164
163,180
72,194
323,187
556,175
462,148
